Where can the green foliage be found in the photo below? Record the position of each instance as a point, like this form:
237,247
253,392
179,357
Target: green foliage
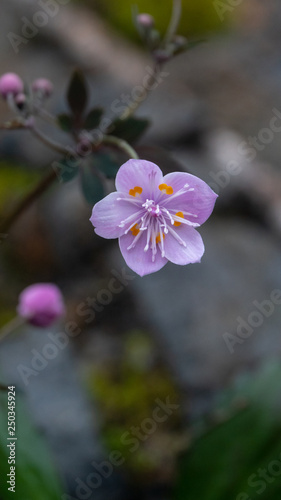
66,169
65,122
198,18
93,118
130,129
227,461
15,181
77,94
92,185
35,474
127,392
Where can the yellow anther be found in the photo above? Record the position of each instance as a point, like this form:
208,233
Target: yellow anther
166,189
158,238
178,214
135,230
136,191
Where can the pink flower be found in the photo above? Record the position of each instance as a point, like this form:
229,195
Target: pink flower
155,217
41,304
10,83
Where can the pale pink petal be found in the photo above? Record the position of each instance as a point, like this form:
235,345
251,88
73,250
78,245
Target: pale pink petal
199,202
109,213
138,260
139,173
180,254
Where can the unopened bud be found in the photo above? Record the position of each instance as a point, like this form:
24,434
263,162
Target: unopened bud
43,86
10,83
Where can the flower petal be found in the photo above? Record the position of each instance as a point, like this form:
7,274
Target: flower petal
139,260
141,173
199,202
109,213
179,254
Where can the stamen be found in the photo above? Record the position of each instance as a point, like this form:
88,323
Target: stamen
135,216
177,223
133,244
136,191
134,230
177,237
169,215
166,189
181,191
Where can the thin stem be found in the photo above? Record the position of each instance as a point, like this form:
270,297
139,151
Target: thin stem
10,327
175,20
135,104
120,144
49,142
26,202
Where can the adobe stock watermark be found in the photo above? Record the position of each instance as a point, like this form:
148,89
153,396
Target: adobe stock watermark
88,310
224,7
255,319
248,150
262,478
30,27
131,439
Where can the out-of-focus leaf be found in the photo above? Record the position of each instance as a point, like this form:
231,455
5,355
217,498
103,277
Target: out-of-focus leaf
107,162
15,181
92,186
131,129
65,122
35,473
93,118
66,169
227,462
77,94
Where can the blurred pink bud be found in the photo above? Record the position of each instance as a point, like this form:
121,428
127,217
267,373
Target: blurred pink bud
43,86
10,83
145,20
161,56
41,304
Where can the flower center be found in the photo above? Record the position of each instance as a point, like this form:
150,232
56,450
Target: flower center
152,209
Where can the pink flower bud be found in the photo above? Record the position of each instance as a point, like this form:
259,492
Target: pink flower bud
146,20
10,83
41,304
43,86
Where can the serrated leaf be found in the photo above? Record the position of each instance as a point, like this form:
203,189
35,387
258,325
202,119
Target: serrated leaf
130,129
93,118
77,94
66,169
35,471
92,186
65,122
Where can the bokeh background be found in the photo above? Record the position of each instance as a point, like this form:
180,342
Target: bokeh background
174,336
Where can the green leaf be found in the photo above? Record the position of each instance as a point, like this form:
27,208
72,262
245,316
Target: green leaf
107,162
36,476
226,462
93,119
92,186
130,129
66,169
77,94
65,122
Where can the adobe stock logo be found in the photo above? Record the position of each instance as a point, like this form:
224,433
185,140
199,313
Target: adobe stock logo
254,320
29,30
